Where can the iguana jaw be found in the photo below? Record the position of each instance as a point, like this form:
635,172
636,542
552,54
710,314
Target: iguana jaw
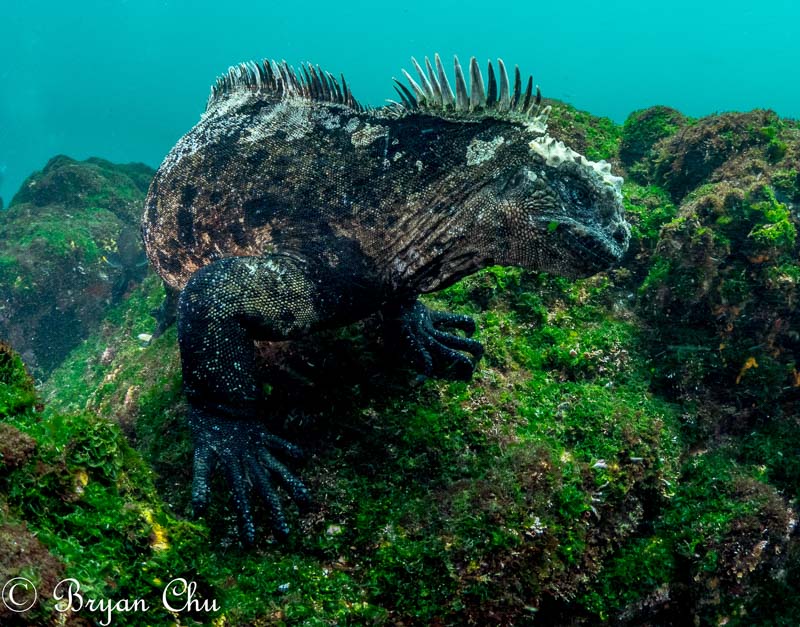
574,248
589,254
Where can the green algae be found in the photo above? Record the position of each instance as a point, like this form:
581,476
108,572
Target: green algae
773,228
787,183
641,132
472,479
17,392
587,474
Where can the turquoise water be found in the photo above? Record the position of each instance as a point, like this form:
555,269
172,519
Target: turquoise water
123,80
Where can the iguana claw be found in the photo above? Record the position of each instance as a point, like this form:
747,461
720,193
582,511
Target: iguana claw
435,350
243,448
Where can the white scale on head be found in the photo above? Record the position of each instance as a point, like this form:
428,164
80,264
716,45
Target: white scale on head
555,153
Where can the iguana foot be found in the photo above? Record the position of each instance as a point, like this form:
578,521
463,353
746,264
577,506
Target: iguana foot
244,449
435,349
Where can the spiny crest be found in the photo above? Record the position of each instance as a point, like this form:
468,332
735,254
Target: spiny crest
280,80
493,98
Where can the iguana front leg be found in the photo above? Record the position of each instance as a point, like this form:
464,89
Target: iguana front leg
223,309
433,347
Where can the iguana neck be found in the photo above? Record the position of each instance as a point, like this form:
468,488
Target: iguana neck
438,244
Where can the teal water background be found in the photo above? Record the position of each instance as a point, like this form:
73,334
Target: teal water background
124,79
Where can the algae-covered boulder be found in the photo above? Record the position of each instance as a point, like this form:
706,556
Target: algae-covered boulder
641,132
595,138
446,502
692,156
722,298
550,487
118,188
26,562
69,248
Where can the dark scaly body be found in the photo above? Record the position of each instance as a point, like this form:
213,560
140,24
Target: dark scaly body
289,208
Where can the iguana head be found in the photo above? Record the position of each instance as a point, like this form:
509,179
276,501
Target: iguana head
546,206
560,212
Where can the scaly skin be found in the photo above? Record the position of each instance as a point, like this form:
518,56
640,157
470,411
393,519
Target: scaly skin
291,208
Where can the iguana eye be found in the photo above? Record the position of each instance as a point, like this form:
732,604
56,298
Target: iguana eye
514,181
580,196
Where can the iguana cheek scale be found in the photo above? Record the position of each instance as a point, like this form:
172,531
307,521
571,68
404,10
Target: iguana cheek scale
290,207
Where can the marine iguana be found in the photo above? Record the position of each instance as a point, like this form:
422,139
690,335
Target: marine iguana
291,207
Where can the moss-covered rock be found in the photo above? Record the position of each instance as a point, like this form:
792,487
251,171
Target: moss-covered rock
594,137
640,133
446,502
36,570
545,488
719,544
16,447
71,233
690,157
722,298
119,188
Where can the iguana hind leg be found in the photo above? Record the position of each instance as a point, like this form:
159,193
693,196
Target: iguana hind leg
223,309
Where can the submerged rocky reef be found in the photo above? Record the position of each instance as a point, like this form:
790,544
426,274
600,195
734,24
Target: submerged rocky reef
627,453
69,245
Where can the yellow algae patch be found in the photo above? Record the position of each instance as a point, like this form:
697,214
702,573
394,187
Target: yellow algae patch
81,480
158,541
750,363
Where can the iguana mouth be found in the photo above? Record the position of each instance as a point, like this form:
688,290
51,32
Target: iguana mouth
594,248
602,253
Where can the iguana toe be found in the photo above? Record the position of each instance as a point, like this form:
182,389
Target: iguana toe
242,448
435,350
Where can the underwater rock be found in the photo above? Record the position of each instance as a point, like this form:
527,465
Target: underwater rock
722,298
641,131
94,182
22,554
70,234
513,488
749,554
16,447
594,137
685,160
